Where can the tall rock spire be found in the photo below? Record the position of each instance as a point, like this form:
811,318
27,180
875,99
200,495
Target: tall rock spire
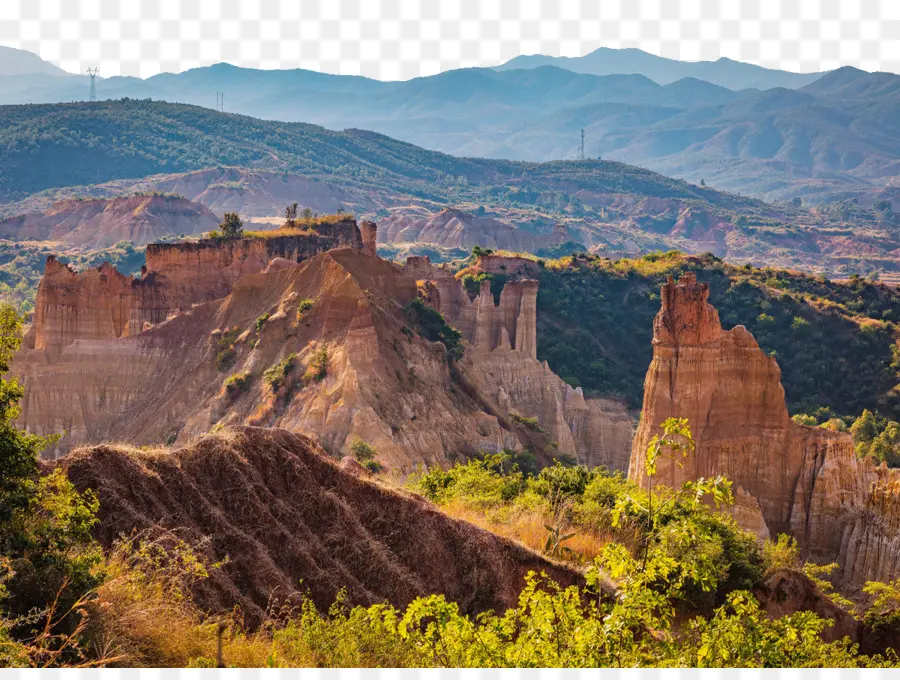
802,480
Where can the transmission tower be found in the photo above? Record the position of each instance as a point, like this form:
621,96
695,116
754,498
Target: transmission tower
582,143
92,72
220,100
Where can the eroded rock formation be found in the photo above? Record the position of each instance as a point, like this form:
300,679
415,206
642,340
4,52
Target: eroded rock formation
503,365
788,478
302,522
102,303
103,222
320,346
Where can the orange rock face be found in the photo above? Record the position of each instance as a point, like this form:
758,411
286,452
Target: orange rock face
102,303
788,478
146,360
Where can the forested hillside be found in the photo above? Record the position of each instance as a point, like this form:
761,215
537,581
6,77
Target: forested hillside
835,342
46,146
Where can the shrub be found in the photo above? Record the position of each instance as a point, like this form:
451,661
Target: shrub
317,369
275,375
226,353
530,423
238,383
431,325
48,561
261,321
362,451
303,307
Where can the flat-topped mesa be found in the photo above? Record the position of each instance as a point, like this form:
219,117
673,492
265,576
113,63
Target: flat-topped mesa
508,265
789,478
102,303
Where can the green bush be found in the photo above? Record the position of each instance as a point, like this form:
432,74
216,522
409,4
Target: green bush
530,423
431,325
238,383
276,375
303,308
362,451
317,369
226,352
48,561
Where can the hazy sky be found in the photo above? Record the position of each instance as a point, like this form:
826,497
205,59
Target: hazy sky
398,39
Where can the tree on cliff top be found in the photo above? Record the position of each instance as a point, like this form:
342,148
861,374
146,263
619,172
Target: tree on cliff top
290,215
231,226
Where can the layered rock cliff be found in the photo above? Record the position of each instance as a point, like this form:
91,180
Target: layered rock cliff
100,223
788,478
102,303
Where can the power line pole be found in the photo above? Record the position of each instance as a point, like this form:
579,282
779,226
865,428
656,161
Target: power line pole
582,143
220,100
92,72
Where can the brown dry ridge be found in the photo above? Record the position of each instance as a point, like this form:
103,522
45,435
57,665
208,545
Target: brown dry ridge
320,346
289,520
100,223
788,478
455,228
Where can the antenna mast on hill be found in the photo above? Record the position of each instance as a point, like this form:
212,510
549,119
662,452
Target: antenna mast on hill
92,72
582,143
220,100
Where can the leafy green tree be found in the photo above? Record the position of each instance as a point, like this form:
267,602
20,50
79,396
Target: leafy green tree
232,226
290,214
48,561
864,429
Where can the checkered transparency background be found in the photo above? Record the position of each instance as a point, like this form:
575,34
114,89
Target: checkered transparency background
400,39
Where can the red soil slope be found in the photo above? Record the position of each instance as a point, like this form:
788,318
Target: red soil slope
283,512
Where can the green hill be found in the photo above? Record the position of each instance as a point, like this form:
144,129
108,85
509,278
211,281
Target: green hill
58,145
835,342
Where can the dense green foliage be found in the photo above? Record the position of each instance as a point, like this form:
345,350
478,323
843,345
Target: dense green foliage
48,560
835,342
714,555
431,325
668,551
276,374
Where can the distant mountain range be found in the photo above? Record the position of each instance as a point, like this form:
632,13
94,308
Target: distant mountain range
735,75
834,135
15,62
